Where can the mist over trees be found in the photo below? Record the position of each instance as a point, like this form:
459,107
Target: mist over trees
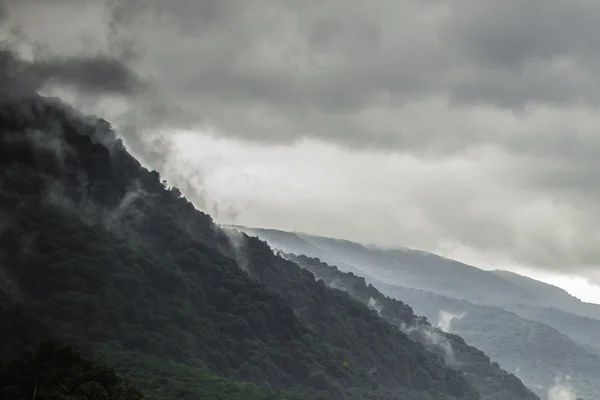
493,382
102,254
551,350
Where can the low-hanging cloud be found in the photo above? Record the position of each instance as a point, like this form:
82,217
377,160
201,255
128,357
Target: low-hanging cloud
562,390
445,319
508,89
432,339
374,305
93,74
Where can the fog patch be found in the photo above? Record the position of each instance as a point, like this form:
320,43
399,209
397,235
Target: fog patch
56,195
445,319
336,283
44,143
124,216
50,143
562,390
41,143
237,240
188,177
119,220
374,305
433,339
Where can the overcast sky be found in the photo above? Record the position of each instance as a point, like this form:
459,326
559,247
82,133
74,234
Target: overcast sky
465,127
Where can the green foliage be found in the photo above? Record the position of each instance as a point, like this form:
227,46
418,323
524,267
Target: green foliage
18,329
104,254
161,379
538,351
55,372
493,382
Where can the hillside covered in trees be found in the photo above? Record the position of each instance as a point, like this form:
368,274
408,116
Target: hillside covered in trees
52,371
498,312
539,354
100,253
487,376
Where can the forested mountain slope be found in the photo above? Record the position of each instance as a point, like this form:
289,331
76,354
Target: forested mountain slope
583,330
529,298
407,267
549,296
535,352
59,372
488,377
427,271
102,254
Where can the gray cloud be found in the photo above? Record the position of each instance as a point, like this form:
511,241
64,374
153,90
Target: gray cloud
91,74
509,84
288,69
94,75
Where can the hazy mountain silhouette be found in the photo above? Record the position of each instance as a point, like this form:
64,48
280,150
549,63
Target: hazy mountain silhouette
535,352
536,341
486,375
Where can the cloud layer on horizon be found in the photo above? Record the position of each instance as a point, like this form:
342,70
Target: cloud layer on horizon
494,105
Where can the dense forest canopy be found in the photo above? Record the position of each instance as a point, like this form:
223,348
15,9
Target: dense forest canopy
548,348
52,372
480,371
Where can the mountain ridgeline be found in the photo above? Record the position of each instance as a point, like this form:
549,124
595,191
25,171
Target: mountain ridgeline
98,252
537,353
486,375
427,271
522,324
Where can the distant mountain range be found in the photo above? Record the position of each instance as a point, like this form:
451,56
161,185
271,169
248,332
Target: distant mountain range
472,362
533,329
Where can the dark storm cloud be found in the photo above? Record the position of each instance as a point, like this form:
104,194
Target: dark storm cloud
321,69
90,73
98,75
541,51
335,70
3,13
434,80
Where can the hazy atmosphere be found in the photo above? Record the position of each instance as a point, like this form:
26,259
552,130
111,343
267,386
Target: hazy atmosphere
299,199
467,128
